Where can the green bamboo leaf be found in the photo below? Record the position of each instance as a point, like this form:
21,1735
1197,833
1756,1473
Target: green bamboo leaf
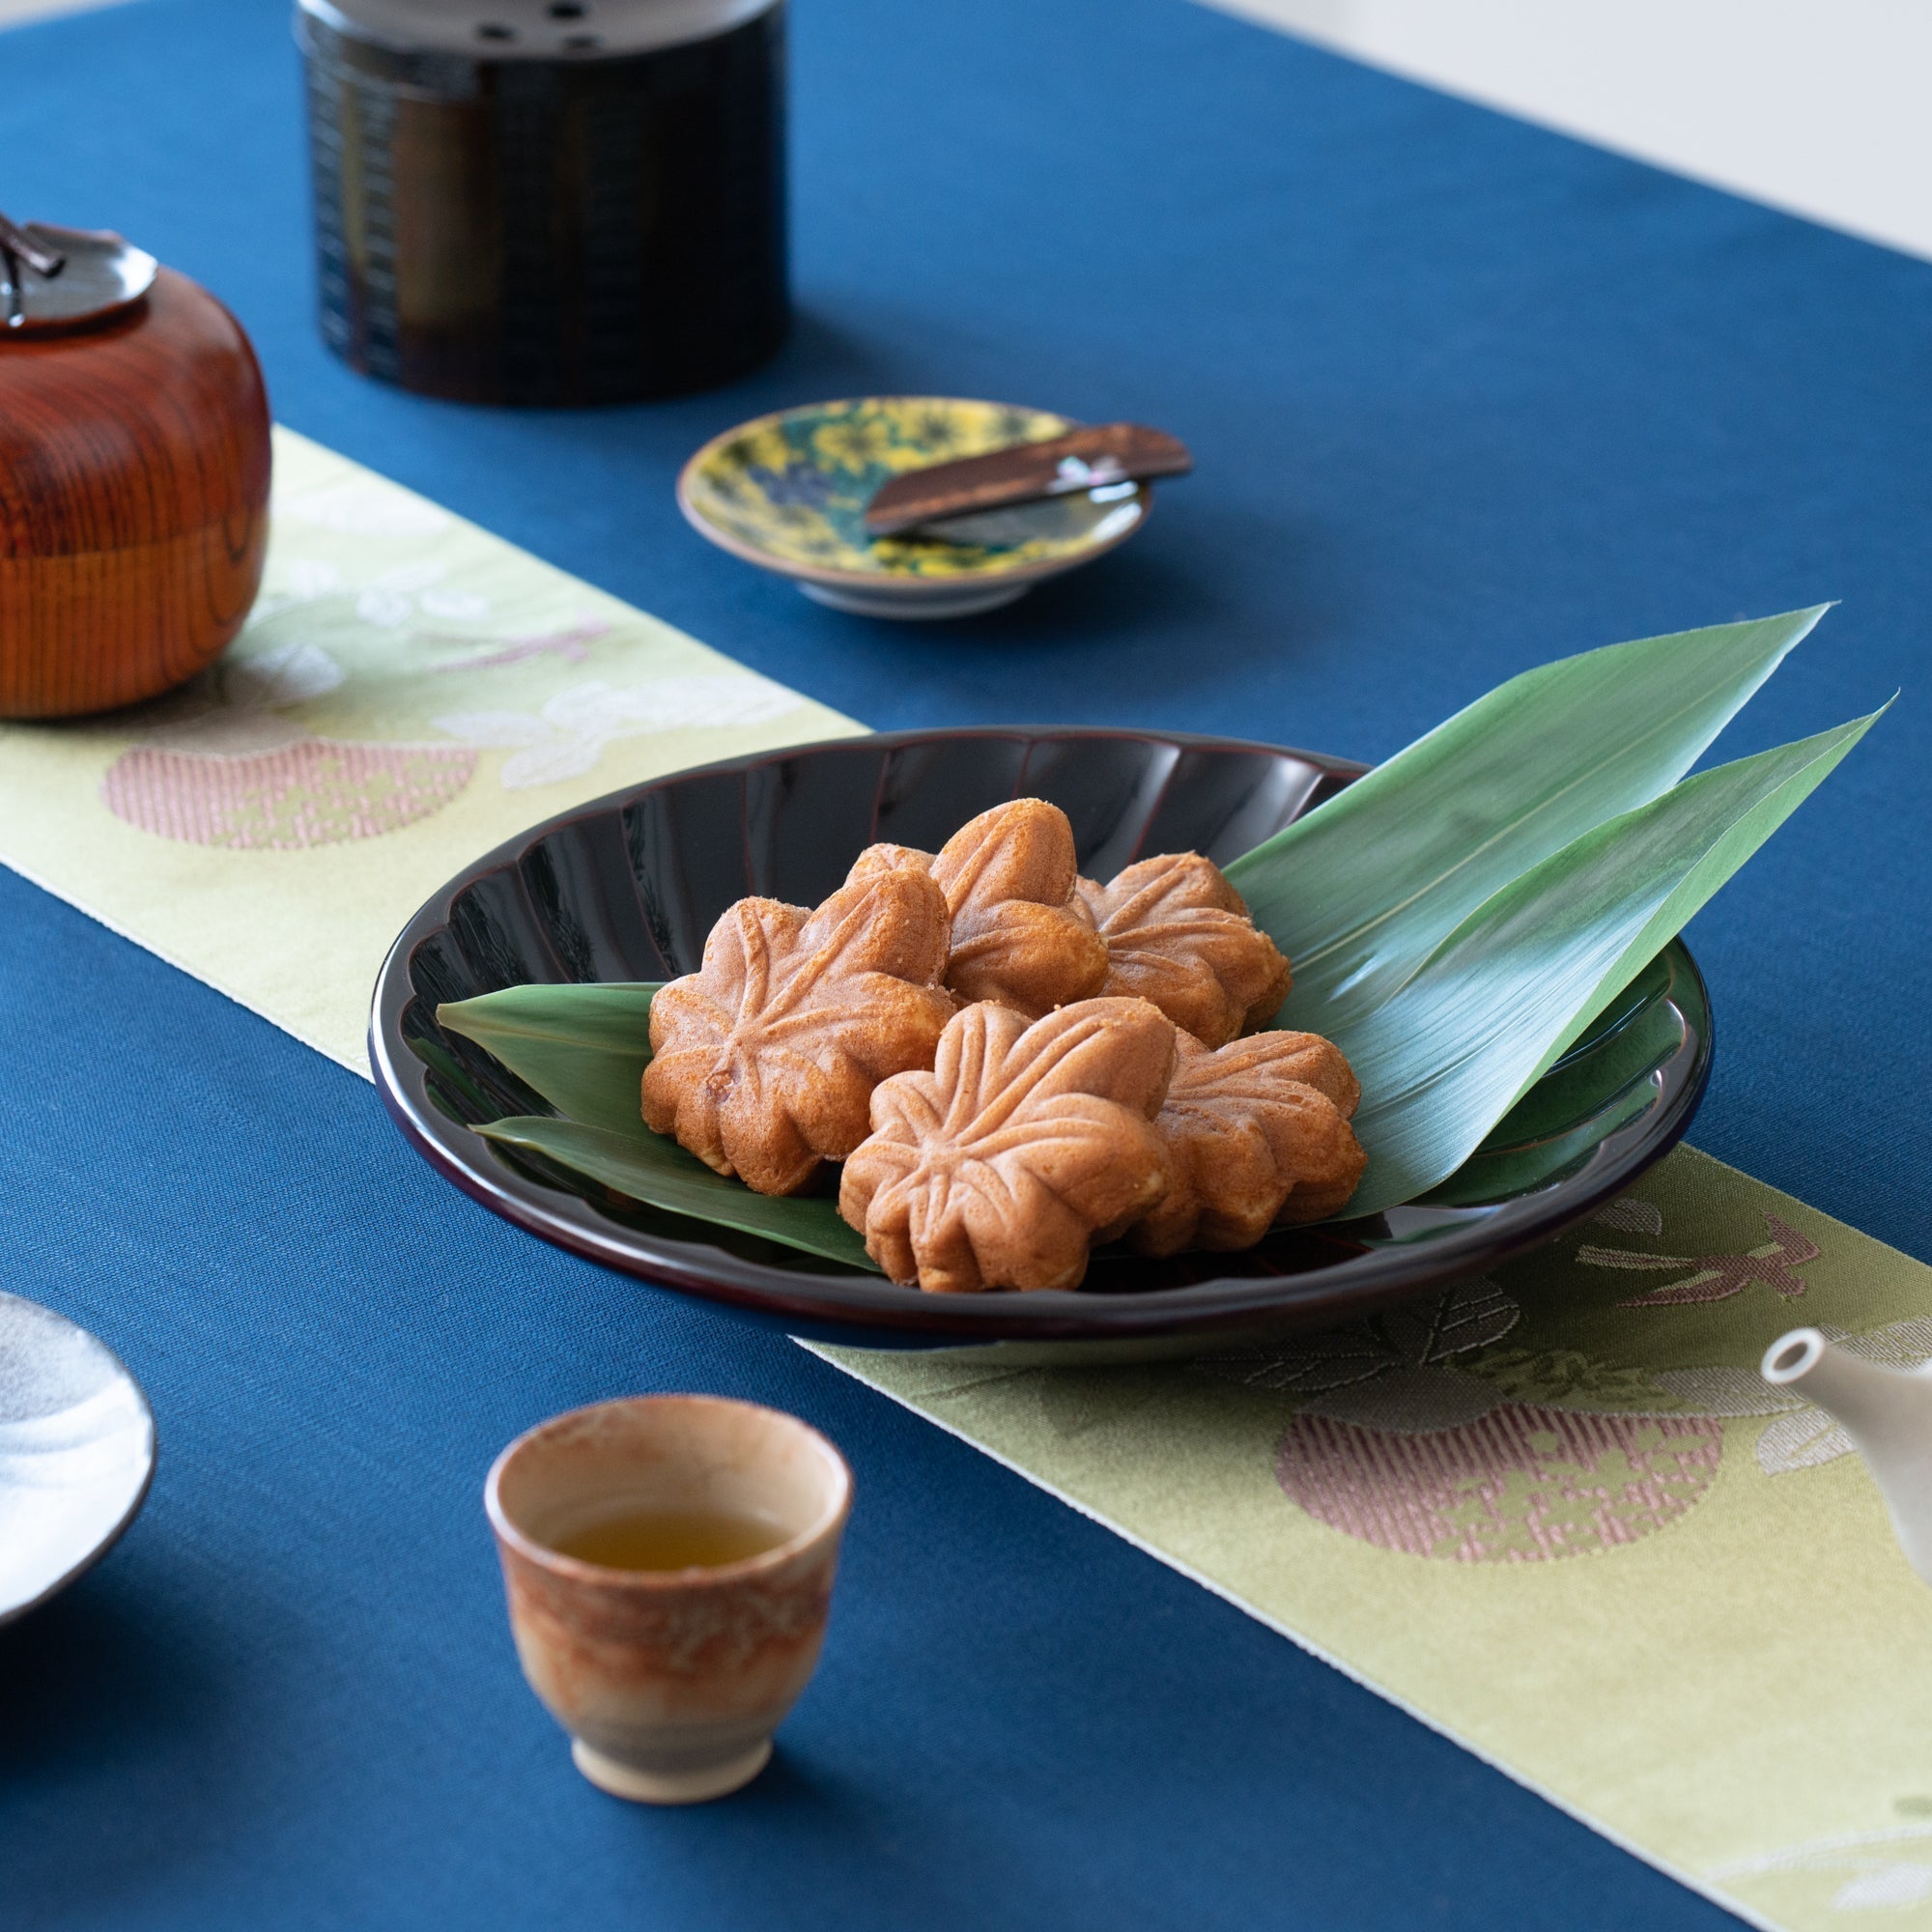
1457,919
654,1169
1447,1052
1592,1093
1565,1115
584,1049
1362,890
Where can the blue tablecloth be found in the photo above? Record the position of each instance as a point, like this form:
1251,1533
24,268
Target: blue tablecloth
1464,396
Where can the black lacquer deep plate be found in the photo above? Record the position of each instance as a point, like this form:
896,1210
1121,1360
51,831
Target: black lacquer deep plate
627,887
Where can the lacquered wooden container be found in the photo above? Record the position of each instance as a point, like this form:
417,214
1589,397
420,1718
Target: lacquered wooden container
549,202
133,490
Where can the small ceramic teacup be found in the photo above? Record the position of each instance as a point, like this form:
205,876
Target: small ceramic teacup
671,1680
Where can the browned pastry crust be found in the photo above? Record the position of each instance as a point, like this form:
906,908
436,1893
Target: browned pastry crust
1023,1146
1179,935
888,858
1259,1134
764,1060
1021,936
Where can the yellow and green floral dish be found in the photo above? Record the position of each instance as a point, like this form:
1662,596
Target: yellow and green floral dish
788,492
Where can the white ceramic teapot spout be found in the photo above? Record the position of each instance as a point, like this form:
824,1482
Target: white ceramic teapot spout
1886,1412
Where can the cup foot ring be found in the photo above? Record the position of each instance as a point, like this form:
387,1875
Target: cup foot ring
669,1787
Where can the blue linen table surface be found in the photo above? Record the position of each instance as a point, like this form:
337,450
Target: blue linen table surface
1463,396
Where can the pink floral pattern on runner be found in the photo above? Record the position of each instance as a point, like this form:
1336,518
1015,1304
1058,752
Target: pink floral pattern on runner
571,645
1520,1485
313,792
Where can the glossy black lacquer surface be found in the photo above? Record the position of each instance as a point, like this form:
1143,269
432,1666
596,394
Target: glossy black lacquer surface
627,887
554,225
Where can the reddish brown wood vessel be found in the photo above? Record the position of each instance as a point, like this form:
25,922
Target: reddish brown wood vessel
133,501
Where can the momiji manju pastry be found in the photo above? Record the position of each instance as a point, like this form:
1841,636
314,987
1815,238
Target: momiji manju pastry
938,1025
764,1060
1179,934
1258,1134
1023,1146
1020,935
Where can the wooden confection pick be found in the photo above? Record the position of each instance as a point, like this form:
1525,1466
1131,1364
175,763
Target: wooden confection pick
16,241
1025,472
17,246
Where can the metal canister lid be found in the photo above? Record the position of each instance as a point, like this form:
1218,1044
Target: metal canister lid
414,42
91,276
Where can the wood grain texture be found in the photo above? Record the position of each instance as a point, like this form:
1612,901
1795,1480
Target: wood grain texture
133,502
1023,473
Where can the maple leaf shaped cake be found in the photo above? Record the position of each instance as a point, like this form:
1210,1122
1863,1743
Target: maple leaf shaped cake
764,1060
1258,1134
1021,935
876,859
1023,1146
1179,934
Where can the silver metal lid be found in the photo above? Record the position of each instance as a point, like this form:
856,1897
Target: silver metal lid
97,275
530,30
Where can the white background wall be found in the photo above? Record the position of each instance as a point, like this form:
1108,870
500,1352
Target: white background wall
1824,107
25,10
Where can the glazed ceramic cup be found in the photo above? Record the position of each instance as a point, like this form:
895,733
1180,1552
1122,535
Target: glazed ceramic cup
669,1682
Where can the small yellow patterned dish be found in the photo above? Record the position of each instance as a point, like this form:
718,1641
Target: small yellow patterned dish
789,493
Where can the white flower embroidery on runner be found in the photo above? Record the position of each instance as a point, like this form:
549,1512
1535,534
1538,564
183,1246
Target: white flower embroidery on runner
390,601
240,709
305,580
1879,1880
455,606
364,506
567,736
1802,1436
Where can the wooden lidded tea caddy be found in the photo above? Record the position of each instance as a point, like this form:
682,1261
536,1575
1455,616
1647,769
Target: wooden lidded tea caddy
134,473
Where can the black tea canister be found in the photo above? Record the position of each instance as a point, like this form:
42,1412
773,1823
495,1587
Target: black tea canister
549,201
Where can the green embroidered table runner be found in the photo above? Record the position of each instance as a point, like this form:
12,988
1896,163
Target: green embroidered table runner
1555,1513
409,692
